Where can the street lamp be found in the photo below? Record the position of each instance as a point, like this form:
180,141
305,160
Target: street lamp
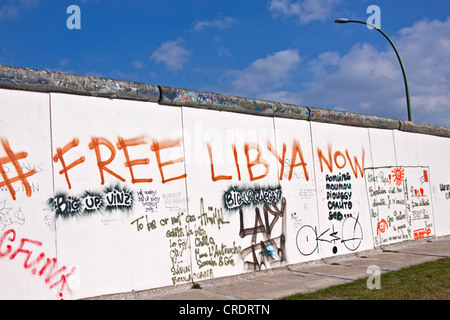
408,104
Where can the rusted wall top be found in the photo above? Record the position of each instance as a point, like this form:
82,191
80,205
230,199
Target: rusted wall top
48,81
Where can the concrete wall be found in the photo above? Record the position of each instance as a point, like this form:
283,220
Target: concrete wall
109,186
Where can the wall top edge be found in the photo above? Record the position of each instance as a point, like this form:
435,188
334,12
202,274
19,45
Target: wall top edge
49,81
222,102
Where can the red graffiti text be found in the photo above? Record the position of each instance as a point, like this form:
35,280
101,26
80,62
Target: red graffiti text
38,264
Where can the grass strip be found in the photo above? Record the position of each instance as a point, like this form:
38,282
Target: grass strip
427,281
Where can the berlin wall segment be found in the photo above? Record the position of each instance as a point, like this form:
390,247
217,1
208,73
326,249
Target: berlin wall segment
259,210
117,197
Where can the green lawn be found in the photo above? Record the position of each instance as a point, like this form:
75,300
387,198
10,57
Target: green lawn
427,281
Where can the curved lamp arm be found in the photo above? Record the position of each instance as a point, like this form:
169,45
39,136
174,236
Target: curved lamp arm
408,103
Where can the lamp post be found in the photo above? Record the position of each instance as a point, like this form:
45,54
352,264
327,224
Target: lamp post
408,104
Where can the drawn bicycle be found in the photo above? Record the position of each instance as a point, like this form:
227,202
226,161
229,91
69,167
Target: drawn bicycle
351,236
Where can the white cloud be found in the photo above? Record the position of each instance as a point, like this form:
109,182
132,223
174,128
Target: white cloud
64,62
264,74
425,49
304,11
359,80
172,53
222,23
364,79
137,64
8,11
11,9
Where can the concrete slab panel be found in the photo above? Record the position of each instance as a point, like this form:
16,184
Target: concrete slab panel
434,247
389,261
283,284
334,270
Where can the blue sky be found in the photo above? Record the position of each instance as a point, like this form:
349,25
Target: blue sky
279,50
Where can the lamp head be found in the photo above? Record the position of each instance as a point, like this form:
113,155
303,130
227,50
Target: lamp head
341,20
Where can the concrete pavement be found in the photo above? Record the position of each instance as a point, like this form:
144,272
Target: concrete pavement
304,277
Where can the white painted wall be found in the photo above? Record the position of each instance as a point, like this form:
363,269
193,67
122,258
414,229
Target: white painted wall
191,213
25,218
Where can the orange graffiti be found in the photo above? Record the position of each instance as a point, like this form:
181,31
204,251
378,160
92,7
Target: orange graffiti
59,156
213,176
329,163
95,144
422,233
251,163
399,174
21,176
357,165
342,162
124,144
296,149
280,160
165,144
236,161
258,160
382,226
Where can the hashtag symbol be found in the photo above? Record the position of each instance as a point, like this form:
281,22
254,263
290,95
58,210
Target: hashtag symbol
13,158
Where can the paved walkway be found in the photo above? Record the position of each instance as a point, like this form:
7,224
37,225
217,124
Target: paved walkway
304,277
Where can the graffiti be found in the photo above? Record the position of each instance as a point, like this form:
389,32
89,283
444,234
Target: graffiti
39,265
446,189
398,174
14,158
209,253
7,217
180,264
207,217
19,187
424,178
110,199
213,216
307,240
338,196
422,233
118,198
206,251
124,145
174,201
235,197
260,161
382,226
92,202
148,199
99,143
151,224
419,199
178,236
64,205
351,236
166,144
341,160
59,156
269,251
399,203
49,221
